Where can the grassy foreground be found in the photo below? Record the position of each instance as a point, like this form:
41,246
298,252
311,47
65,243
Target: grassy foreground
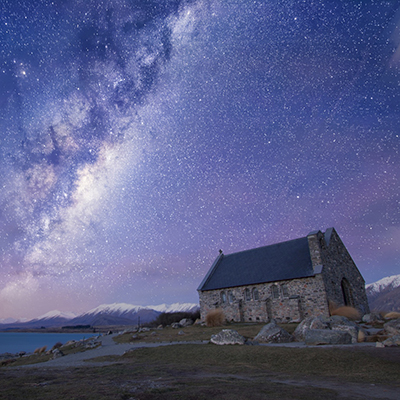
190,371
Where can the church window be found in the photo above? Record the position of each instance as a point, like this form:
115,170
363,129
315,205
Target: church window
230,297
223,297
247,294
285,291
256,296
275,292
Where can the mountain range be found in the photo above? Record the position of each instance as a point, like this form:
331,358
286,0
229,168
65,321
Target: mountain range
384,295
106,314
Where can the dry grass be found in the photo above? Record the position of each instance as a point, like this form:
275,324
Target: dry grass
215,318
392,315
344,311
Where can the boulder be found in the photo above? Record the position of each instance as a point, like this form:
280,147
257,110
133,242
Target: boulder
342,324
334,323
393,341
310,323
176,325
57,353
227,336
272,333
326,336
392,327
371,318
185,322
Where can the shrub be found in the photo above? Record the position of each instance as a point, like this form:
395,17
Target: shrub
346,311
215,317
57,346
392,315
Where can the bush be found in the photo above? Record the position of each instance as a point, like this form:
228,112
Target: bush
165,319
392,315
215,317
348,312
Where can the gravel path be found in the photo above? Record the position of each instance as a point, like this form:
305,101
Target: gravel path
108,348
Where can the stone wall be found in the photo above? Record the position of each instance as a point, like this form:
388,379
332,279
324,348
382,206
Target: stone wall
284,301
343,281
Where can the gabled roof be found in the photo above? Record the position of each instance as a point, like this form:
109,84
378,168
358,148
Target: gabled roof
281,261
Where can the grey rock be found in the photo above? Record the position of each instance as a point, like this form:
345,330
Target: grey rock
326,336
372,317
185,322
272,333
393,341
392,327
338,323
310,323
176,325
57,353
227,336
180,333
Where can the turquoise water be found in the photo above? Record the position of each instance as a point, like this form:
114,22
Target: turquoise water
14,342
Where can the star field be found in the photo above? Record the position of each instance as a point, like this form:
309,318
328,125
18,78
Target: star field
137,138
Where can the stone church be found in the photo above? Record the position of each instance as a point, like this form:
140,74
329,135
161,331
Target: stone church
287,281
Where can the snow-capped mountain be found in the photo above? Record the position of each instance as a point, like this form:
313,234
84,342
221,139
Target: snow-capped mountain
57,314
103,315
128,314
8,320
384,295
378,286
176,307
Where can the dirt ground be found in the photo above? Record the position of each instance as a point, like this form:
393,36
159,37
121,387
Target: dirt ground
193,371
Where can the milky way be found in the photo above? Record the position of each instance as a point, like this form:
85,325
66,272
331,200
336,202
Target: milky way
140,137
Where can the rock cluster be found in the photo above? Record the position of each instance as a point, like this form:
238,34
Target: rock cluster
272,333
320,330
324,330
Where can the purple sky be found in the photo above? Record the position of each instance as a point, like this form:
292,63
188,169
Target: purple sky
137,138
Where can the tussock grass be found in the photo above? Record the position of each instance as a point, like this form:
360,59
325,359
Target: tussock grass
215,318
344,311
392,315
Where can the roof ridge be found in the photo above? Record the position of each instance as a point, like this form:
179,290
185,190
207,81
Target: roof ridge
262,247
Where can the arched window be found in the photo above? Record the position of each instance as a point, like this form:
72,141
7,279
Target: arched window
247,294
285,291
223,297
256,296
275,292
230,297
347,293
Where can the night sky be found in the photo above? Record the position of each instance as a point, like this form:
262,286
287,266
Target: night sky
137,138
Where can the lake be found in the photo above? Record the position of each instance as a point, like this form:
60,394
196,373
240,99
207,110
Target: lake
14,342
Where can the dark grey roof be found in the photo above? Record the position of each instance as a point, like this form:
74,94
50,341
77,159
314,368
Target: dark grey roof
281,261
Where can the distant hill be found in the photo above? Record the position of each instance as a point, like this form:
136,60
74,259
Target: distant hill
384,295
103,315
